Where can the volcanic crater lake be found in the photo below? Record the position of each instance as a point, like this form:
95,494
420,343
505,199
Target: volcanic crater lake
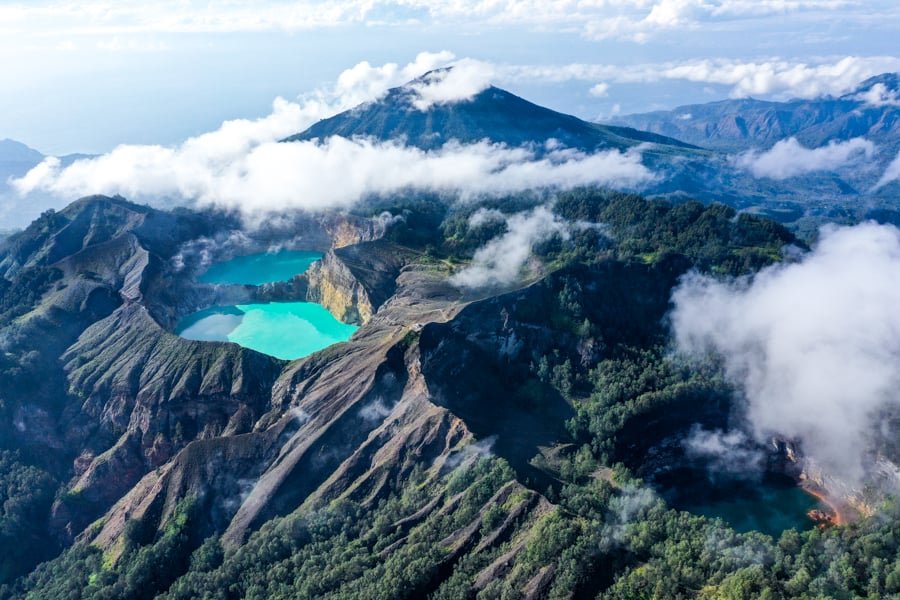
257,269
770,505
286,330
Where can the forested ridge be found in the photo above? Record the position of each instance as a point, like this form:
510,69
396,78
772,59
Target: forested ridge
557,511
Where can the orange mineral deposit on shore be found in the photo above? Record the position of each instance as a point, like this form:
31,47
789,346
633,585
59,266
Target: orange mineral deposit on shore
836,514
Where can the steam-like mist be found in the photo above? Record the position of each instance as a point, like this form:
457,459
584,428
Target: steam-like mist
500,261
728,453
814,345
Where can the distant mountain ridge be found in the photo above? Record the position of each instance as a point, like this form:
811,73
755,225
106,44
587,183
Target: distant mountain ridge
16,159
736,125
15,154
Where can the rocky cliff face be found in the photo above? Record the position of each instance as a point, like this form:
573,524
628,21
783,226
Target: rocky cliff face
332,285
353,282
344,422
129,395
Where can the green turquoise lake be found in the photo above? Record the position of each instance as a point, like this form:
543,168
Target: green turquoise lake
286,330
257,269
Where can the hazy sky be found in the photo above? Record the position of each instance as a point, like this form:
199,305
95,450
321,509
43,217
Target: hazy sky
86,76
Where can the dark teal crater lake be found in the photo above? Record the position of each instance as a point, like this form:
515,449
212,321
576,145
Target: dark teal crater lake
771,504
769,509
286,330
257,269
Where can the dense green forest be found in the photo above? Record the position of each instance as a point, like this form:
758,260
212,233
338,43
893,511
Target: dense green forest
587,527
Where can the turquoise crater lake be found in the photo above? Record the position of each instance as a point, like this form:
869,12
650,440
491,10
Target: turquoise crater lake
286,330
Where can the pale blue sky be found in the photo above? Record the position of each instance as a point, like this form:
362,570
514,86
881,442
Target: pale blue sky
86,76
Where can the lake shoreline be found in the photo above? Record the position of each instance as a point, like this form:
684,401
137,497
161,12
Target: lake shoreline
836,511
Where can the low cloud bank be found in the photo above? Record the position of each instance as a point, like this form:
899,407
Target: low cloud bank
259,178
773,77
815,345
789,158
500,261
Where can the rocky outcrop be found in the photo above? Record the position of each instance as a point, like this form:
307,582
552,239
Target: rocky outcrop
332,285
353,282
118,396
348,230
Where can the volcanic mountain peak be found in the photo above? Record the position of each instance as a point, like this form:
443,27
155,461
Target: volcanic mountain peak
493,114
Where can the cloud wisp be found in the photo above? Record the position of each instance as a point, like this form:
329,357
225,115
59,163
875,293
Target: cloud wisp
728,453
814,345
462,82
500,261
773,76
878,96
891,173
789,158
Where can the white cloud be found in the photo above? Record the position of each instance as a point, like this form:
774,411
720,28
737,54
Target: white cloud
483,216
462,82
891,173
364,82
879,95
500,261
814,345
789,158
600,90
641,20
